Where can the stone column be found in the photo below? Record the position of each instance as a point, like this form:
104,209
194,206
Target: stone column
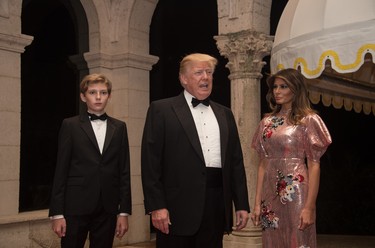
245,51
11,47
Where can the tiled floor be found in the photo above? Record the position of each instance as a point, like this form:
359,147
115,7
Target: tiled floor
324,241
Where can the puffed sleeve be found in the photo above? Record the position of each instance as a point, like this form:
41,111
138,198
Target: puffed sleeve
257,142
317,138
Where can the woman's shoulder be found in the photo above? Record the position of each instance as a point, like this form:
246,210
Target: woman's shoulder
312,117
314,121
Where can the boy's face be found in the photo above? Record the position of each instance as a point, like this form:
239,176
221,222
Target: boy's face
96,98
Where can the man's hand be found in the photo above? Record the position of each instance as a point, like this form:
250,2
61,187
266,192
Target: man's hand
121,226
59,227
160,220
242,217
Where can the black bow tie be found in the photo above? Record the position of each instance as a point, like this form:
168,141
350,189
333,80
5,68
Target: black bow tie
195,101
94,117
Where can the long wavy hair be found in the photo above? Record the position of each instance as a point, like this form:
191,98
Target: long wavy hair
301,106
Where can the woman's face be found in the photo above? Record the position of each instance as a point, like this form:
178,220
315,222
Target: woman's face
282,93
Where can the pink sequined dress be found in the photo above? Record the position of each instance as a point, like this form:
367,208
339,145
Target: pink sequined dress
284,148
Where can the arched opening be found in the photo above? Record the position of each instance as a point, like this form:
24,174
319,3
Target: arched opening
176,30
49,92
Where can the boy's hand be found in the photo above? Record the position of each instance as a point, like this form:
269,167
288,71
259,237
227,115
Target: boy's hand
121,226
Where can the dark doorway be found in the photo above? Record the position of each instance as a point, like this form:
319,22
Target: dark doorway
49,93
179,28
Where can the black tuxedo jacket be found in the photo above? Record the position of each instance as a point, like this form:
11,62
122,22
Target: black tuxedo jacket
83,175
173,167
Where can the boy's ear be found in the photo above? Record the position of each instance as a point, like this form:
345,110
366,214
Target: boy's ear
83,98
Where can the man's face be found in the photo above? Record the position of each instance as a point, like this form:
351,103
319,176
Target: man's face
197,79
96,97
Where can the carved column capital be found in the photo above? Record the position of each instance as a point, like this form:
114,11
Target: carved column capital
245,51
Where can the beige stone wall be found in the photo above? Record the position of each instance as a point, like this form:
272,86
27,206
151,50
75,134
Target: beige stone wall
11,46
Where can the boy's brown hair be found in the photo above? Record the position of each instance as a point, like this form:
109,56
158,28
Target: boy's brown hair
94,79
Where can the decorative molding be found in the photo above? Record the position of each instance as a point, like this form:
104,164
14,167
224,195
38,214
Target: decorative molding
245,51
14,43
144,62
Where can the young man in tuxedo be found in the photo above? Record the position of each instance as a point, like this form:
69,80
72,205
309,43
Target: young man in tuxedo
192,163
91,190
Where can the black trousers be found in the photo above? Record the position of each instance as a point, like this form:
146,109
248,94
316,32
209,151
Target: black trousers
210,233
100,226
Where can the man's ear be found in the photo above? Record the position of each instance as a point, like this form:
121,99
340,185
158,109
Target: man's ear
182,79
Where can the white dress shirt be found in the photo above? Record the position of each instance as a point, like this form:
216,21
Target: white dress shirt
100,129
208,132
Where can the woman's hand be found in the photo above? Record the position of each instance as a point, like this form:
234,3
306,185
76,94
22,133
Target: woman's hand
255,216
307,218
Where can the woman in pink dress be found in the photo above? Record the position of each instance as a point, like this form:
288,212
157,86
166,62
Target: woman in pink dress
290,141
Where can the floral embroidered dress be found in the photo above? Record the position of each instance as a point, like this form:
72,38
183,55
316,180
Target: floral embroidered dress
284,148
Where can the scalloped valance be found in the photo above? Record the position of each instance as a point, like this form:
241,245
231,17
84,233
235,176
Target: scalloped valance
344,46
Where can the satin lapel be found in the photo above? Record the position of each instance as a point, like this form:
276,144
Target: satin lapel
87,128
186,119
109,134
223,126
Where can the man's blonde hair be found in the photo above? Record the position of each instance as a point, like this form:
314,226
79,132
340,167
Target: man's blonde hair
197,57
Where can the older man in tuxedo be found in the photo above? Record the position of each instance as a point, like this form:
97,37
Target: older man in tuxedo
192,164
